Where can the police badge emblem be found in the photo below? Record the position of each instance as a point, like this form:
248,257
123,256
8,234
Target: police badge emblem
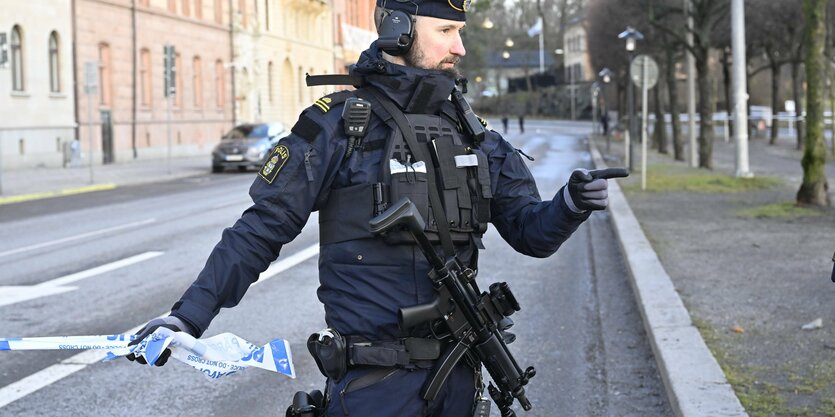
460,5
278,157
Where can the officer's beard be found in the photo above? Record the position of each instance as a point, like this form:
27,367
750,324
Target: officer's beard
415,57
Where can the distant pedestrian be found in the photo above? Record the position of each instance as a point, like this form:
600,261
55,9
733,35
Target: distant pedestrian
522,122
504,123
604,122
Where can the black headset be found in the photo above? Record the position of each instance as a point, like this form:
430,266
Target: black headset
397,30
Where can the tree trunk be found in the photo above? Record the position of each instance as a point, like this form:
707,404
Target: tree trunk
726,80
775,99
814,189
798,104
660,125
705,110
672,91
831,106
622,107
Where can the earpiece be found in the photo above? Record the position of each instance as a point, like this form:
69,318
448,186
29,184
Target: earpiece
396,33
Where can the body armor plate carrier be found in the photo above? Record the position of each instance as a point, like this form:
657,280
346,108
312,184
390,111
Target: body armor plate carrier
462,176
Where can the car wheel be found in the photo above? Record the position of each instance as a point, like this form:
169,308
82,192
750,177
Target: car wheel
243,169
217,168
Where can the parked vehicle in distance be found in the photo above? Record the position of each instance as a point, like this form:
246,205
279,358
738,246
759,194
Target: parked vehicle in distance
247,146
760,114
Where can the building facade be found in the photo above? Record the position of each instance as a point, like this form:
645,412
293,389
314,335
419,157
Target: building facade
37,124
124,40
276,43
577,60
354,31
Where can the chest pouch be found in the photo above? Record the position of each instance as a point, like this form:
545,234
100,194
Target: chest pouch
457,166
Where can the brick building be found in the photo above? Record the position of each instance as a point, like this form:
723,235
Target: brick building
125,39
354,30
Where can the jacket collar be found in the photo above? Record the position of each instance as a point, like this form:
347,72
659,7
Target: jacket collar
414,90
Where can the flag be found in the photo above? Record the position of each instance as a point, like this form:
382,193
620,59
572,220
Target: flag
536,29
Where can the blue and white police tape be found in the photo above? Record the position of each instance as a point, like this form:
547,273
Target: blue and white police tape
215,357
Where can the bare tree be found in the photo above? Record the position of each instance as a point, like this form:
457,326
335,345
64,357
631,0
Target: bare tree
814,190
767,26
795,32
606,19
707,16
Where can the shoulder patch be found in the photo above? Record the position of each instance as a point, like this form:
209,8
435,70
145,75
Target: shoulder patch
278,157
306,128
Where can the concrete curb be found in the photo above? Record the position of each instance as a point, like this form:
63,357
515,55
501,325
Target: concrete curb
695,384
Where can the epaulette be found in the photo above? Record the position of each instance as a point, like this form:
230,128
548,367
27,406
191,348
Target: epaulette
326,103
482,121
306,127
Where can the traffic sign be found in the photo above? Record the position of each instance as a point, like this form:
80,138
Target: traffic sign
4,50
170,69
91,77
636,71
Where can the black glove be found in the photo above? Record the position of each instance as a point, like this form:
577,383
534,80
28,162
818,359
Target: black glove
170,322
588,190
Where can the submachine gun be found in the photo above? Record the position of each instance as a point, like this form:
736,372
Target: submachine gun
474,320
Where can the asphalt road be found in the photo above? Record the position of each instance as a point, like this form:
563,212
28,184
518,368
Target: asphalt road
579,325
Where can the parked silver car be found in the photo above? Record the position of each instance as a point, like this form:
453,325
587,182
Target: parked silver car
247,146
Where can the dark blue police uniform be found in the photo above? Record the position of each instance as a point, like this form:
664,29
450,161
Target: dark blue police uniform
363,282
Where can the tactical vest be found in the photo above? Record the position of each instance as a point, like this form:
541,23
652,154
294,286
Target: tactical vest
461,171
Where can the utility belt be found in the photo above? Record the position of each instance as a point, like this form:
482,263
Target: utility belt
335,354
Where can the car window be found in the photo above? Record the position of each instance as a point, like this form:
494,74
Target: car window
239,132
260,131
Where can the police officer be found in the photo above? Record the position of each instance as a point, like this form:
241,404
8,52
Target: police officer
351,174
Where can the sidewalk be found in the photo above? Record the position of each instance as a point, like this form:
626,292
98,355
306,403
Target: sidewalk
750,268
37,183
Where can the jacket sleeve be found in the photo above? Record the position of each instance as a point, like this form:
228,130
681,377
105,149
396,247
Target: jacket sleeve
531,226
283,195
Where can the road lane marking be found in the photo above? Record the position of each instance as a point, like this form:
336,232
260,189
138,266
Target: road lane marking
76,237
47,376
19,293
50,194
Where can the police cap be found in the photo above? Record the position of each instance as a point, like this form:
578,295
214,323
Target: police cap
443,9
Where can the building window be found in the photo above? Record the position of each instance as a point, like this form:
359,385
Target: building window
54,64
145,77
145,3
198,9
17,60
105,72
172,6
218,11
243,13
270,81
219,85
178,81
267,15
197,80
186,7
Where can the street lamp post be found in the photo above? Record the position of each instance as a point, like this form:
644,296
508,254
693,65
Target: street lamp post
631,36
